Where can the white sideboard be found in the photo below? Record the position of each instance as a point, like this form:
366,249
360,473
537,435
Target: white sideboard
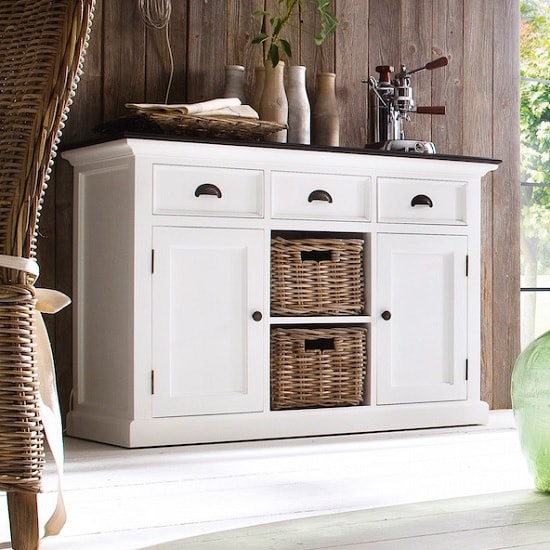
173,287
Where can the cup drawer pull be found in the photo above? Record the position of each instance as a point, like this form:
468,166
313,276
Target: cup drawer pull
422,200
319,195
208,189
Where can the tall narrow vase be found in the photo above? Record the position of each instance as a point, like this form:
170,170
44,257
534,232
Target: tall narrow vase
234,82
274,103
531,405
258,87
325,120
299,112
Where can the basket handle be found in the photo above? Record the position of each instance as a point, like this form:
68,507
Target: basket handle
319,344
208,189
317,256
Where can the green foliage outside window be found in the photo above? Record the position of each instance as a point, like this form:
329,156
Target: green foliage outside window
535,155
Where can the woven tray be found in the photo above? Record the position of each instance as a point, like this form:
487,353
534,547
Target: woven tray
211,125
323,367
317,277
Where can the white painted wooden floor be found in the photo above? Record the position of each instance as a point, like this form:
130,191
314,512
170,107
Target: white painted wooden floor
402,490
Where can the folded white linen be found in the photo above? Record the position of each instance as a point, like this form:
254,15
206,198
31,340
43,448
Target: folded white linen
190,108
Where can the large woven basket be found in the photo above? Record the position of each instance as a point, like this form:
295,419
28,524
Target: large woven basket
324,367
317,277
42,43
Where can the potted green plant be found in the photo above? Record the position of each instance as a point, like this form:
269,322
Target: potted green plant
277,23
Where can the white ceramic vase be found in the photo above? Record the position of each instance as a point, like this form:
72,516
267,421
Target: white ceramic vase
299,111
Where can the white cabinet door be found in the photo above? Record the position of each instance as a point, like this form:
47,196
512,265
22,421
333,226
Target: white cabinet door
207,347
421,321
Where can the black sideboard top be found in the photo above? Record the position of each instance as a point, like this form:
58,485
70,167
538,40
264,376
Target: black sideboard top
107,136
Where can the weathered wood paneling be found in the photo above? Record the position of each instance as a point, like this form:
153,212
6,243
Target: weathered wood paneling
352,69
123,57
207,47
448,83
128,62
241,27
477,136
157,58
415,52
506,199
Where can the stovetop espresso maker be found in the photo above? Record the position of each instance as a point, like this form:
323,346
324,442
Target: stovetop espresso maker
392,100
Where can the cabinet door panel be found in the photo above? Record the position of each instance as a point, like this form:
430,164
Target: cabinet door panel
207,349
422,347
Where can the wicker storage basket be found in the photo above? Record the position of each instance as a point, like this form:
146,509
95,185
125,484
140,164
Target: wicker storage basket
317,367
317,277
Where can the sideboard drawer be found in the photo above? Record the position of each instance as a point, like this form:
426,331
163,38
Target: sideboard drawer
320,196
207,191
422,201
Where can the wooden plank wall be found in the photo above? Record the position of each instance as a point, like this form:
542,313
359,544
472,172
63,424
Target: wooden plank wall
128,62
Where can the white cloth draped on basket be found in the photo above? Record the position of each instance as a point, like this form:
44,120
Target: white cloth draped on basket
230,106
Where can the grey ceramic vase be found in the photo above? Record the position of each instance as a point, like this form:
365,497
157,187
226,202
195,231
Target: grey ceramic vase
234,82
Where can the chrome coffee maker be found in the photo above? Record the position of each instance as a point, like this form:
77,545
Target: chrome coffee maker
392,99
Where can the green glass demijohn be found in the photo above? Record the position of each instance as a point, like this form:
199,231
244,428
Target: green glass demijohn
531,405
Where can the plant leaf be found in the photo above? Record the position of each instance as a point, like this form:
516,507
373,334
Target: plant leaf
277,25
273,54
259,38
279,21
286,47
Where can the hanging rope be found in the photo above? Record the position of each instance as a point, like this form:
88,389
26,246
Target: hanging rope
156,15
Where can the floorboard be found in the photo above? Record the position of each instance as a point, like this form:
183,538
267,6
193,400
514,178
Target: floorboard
500,520
414,482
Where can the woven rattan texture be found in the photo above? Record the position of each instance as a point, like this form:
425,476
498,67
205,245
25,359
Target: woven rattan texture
21,440
215,126
317,277
42,43
322,367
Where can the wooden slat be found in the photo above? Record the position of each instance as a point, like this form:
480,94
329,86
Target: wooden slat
206,52
316,58
416,51
506,200
477,77
124,57
241,27
384,39
477,136
157,58
352,36
447,82
179,41
87,111
384,32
